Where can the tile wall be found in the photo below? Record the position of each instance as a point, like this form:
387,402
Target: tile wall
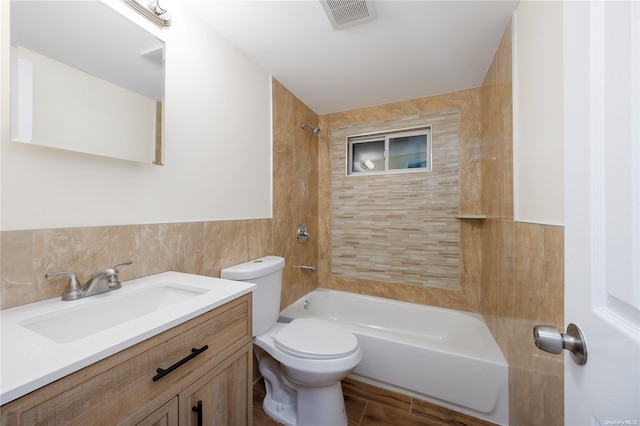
185,247
467,295
295,191
522,263
398,227
198,247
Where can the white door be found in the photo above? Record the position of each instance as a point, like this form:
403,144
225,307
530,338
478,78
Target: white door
602,209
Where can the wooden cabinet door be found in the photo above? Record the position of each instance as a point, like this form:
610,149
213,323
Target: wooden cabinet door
167,415
222,396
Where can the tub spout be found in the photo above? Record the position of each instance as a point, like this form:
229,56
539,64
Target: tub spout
308,268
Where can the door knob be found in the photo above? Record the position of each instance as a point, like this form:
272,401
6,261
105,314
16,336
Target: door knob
549,339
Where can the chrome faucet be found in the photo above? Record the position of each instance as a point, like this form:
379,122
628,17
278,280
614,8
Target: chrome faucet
103,281
307,268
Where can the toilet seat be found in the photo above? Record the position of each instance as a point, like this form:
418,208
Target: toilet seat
311,338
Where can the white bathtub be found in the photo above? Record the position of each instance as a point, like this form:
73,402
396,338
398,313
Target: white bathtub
439,355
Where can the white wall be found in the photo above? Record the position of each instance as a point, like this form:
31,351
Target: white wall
217,147
538,113
5,101
99,117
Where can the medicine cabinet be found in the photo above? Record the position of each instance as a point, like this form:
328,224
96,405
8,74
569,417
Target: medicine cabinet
86,78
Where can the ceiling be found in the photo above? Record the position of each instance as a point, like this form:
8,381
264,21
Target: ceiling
412,49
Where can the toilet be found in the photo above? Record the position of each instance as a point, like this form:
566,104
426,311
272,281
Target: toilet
302,362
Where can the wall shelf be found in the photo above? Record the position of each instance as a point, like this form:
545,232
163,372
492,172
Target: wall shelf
472,216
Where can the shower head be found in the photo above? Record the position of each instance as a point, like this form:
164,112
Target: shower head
315,130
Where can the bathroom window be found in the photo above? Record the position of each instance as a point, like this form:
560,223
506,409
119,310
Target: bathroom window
390,152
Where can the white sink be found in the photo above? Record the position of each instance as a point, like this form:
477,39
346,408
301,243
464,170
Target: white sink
47,340
76,323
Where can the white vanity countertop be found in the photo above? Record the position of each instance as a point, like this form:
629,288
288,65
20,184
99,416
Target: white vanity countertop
30,360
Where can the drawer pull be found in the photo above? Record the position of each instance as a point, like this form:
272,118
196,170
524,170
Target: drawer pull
194,353
198,409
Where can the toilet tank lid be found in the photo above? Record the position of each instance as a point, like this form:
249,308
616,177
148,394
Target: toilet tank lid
253,268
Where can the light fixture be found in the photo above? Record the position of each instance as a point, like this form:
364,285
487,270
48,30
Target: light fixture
152,10
367,165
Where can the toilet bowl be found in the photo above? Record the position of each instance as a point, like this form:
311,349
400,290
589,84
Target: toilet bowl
310,375
303,361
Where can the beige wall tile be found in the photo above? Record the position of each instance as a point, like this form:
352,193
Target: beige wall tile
528,287
296,282
258,237
505,279
198,248
224,246
16,260
228,243
84,251
535,390
467,103
522,263
497,134
552,309
490,268
399,228
173,247
295,198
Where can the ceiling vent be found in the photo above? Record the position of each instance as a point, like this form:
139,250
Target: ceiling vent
347,13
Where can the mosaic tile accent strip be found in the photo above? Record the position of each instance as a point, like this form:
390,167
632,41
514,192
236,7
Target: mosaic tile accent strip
398,227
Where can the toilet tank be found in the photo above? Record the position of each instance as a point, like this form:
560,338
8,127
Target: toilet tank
266,274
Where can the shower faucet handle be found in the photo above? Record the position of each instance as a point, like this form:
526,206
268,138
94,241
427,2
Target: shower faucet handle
303,233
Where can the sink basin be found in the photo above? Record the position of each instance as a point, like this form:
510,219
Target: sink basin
47,340
75,323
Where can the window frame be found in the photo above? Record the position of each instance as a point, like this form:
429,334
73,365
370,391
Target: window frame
386,136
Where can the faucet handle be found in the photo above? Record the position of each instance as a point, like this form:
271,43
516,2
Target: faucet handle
115,265
112,273
73,289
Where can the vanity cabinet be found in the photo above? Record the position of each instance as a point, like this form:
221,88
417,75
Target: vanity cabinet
212,398
208,359
167,415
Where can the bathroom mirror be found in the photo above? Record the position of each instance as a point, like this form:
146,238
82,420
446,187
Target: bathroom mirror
85,78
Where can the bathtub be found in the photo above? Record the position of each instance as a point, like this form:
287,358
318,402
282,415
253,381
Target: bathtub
443,356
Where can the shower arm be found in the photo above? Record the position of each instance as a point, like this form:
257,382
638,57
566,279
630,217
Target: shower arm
314,130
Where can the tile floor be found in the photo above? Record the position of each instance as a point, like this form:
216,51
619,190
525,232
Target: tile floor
372,406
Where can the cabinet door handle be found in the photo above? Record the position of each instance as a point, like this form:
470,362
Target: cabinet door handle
198,409
194,353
